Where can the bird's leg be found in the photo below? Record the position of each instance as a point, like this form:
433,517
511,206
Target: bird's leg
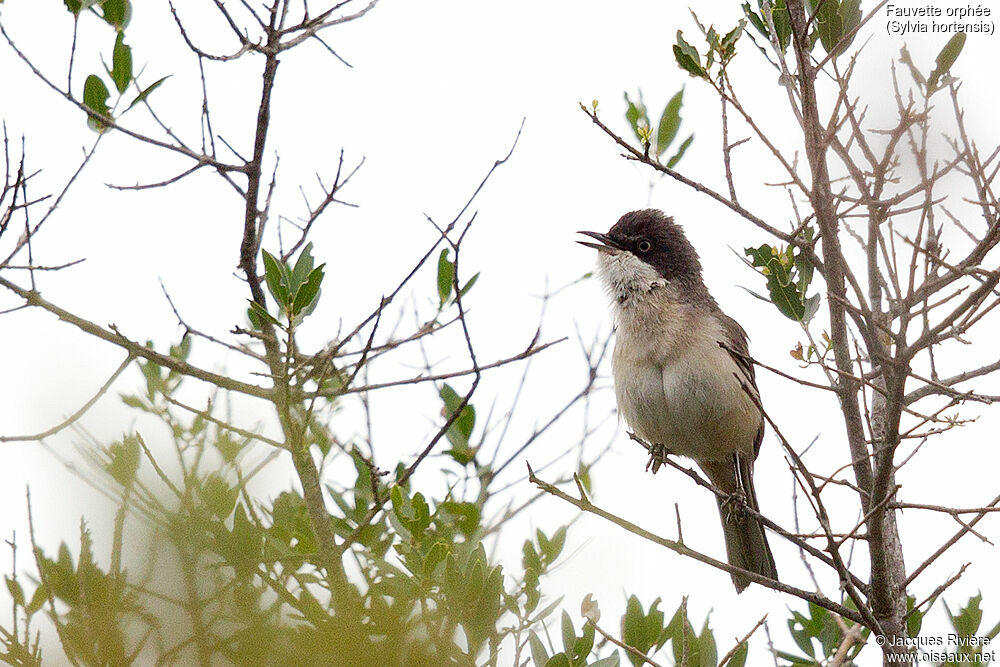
657,453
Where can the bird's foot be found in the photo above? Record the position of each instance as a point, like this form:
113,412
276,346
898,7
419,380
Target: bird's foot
657,457
734,504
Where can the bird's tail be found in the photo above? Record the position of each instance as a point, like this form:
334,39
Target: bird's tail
746,543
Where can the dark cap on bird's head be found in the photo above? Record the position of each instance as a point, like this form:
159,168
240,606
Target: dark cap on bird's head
655,239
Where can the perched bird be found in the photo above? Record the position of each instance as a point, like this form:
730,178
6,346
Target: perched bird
683,380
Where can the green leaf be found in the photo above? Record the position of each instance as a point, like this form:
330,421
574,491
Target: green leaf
435,556
243,548
687,57
95,98
967,620
469,284
118,13
258,315
788,276
555,545
829,26
145,93
218,496
445,276
810,307
782,21
308,293
121,68
850,16
992,634
707,651
739,658
613,660
946,58
756,20
568,635
670,121
538,653
834,20
133,401
16,592
123,460
461,429
303,267
636,115
529,557
797,626
421,513
583,645
728,44
466,515
796,660
228,447
274,277
783,295
914,617
641,630
74,6
38,598
672,162
558,660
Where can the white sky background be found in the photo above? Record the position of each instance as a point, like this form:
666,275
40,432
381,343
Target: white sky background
436,94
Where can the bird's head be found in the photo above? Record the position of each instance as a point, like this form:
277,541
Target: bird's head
643,247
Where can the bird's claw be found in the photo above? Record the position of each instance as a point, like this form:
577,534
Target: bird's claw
733,504
657,457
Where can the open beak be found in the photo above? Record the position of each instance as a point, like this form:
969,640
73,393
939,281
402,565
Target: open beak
605,245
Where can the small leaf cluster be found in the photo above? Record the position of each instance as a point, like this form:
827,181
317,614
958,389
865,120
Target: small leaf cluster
966,623
833,25
835,21
99,605
461,429
116,14
446,281
819,631
788,273
721,49
17,646
662,136
778,12
296,289
445,563
536,558
160,383
576,649
646,631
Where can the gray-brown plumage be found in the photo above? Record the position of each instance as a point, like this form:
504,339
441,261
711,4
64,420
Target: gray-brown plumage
677,387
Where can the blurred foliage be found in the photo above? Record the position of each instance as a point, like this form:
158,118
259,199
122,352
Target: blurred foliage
242,571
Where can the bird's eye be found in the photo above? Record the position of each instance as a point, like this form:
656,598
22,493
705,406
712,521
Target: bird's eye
644,246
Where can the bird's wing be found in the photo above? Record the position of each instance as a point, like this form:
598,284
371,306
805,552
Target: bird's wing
739,350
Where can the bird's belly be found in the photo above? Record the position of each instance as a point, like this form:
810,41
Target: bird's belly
692,403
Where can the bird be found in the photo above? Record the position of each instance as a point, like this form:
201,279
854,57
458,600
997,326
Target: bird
684,381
